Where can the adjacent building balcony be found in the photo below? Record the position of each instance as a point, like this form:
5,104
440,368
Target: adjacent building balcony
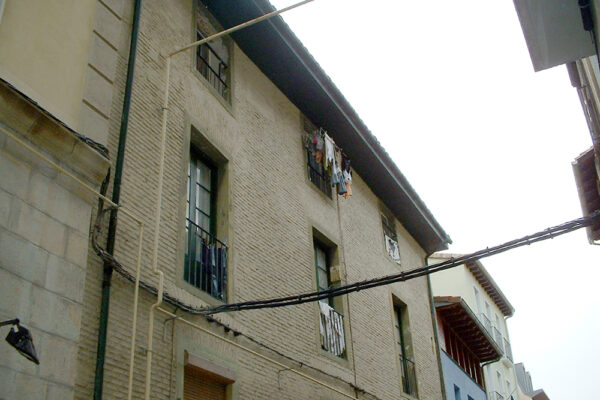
498,337
486,322
496,396
508,350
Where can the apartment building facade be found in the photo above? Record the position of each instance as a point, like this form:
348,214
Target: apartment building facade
248,210
466,346
557,33
475,286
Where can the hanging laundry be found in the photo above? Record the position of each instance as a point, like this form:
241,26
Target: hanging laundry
348,183
329,151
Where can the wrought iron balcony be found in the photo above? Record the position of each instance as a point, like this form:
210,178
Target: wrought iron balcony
498,337
205,261
317,174
409,376
508,350
331,324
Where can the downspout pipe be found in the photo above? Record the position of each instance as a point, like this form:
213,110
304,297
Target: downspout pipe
435,331
116,194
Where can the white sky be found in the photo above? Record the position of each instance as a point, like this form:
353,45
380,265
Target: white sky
449,90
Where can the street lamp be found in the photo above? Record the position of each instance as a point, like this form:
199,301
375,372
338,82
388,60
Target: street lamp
20,338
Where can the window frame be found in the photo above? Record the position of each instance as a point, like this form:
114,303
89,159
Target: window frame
209,27
404,352
210,278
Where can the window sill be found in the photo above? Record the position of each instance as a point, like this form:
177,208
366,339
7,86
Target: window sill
226,104
199,294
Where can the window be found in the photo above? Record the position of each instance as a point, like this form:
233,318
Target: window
198,384
205,256
213,59
390,237
477,300
456,393
407,365
331,321
316,172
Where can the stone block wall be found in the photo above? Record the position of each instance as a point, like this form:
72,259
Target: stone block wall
44,229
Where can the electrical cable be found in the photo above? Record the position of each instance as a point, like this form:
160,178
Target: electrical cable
315,296
296,299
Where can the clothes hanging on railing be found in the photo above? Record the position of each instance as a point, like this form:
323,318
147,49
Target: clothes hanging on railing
323,152
331,326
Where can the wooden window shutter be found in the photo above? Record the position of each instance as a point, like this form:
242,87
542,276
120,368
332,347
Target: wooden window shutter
200,385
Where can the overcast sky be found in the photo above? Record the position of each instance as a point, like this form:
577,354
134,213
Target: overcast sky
449,90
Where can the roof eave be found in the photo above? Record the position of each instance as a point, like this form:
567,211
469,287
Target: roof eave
305,83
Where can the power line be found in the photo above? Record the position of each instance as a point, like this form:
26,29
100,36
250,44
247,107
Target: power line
301,298
549,233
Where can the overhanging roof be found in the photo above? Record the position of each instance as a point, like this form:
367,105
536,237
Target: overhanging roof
280,55
588,188
486,281
457,314
554,32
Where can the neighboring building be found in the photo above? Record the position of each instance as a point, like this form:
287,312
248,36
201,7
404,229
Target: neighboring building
563,32
475,286
466,345
48,98
525,385
247,213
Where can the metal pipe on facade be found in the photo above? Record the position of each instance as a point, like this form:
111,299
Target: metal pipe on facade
112,227
246,349
157,216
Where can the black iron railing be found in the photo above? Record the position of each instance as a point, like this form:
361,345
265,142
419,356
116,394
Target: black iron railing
317,174
205,56
205,262
409,376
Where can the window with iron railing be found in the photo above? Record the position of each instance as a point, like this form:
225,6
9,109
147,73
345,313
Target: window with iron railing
407,365
331,322
317,174
205,256
212,61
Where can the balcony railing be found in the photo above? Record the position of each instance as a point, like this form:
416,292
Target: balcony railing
317,174
486,322
205,262
213,68
498,337
508,350
409,376
497,396
331,324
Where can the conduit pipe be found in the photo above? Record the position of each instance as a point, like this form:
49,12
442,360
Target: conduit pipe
116,197
157,216
246,349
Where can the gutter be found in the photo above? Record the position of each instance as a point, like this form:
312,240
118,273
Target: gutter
116,194
417,203
435,331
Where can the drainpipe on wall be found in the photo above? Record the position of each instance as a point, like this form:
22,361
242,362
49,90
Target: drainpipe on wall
435,331
116,194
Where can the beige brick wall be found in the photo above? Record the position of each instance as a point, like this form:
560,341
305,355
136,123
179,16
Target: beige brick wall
270,215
